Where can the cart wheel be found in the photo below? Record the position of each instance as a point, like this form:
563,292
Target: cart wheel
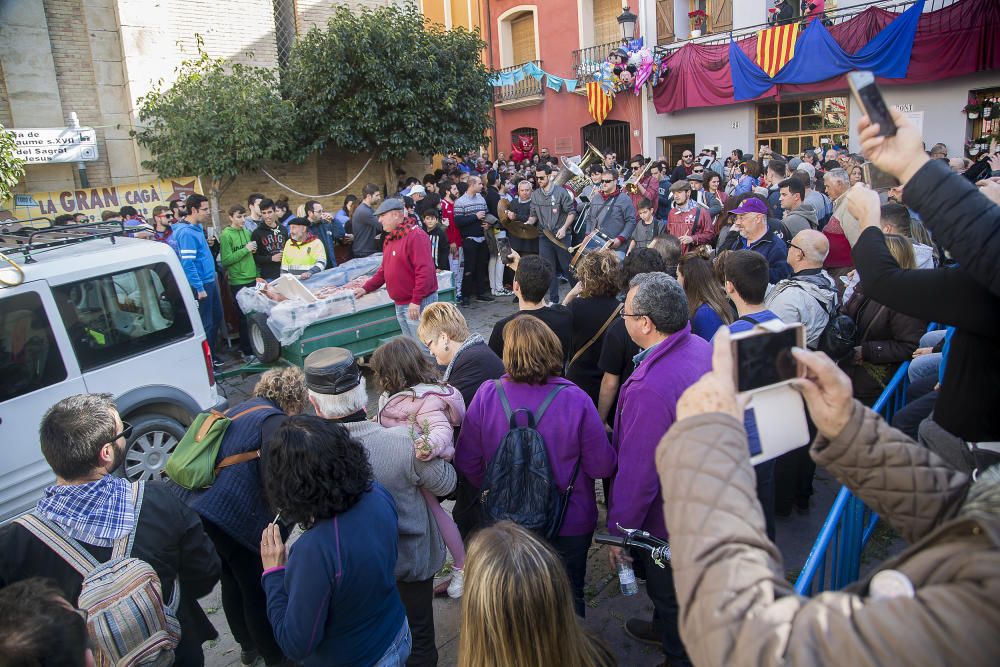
264,344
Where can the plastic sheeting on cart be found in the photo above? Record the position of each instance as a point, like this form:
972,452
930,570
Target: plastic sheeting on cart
288,319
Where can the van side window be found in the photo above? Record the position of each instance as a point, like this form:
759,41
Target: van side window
29,356
119,315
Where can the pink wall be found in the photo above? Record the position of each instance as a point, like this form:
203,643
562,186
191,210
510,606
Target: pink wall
561,115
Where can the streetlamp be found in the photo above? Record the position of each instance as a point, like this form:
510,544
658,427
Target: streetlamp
627,22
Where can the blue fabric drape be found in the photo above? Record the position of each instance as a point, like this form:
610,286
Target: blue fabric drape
818,57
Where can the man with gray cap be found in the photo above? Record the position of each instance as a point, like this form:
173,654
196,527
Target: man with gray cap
688,221
337,393
407,269
671,360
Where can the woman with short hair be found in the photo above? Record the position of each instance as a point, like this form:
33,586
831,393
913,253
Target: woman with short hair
334,602
575,440
518,609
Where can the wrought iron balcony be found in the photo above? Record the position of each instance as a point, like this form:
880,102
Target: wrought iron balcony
587,62
525,93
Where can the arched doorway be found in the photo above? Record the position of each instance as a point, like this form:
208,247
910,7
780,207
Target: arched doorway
613,136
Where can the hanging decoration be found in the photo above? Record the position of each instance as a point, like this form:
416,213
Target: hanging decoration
776,46
627,67
821,57
599,102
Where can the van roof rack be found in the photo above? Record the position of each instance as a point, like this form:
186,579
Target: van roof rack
51,237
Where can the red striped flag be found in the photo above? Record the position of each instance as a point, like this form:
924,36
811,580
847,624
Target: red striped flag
598,102
776,46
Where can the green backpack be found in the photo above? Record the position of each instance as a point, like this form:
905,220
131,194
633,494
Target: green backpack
192,464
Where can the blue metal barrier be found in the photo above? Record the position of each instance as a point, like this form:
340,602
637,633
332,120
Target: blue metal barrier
835,559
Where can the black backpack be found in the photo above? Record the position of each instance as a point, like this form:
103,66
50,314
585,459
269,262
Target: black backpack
518,485
839,336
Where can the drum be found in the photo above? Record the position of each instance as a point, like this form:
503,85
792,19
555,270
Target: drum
595,240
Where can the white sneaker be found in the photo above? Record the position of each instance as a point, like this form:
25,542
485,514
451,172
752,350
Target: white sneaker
457,584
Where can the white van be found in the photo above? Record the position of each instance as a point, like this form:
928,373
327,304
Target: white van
96,313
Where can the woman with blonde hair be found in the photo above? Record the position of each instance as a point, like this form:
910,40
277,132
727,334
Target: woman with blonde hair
518,607
235,510
594,309
575,440
887,337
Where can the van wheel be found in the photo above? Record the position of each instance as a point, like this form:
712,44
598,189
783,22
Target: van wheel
154,438
262,340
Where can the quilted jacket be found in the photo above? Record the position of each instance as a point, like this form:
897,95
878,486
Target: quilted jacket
737,608
433,412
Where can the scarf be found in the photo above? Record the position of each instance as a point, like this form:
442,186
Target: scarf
96,513
469,342
310,237
402,230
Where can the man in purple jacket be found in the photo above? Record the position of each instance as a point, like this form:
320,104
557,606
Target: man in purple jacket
672,359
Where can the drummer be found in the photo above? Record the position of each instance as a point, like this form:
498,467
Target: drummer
612,211
553,210
519,210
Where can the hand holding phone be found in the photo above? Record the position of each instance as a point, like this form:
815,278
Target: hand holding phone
762,357
900,152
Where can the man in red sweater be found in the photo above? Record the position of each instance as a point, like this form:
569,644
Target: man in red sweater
407,269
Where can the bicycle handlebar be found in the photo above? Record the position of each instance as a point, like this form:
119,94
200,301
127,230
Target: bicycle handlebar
658,549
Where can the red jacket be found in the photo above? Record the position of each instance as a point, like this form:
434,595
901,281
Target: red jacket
448,214
840,248
407,269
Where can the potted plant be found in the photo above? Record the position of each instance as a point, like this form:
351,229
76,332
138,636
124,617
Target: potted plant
698,18
973,108
991,109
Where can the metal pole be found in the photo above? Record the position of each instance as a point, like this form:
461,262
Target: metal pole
81,168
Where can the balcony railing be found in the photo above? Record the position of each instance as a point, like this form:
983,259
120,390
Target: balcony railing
834,17
587,62
526,92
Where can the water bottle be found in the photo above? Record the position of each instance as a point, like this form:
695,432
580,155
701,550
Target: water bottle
626,578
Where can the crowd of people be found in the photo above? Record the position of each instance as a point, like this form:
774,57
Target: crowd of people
328,533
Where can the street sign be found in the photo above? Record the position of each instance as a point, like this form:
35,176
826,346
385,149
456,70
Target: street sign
24,200
43,145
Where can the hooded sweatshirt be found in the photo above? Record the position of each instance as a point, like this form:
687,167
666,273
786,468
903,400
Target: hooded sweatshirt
802,218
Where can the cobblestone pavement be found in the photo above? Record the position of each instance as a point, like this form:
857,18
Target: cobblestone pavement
607,609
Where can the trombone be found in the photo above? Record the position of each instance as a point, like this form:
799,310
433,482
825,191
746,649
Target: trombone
631,186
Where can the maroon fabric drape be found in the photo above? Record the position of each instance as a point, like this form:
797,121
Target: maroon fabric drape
958,39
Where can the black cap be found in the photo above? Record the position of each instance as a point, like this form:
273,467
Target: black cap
332,370
305,222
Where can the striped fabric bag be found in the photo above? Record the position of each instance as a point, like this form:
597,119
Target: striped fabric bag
126,617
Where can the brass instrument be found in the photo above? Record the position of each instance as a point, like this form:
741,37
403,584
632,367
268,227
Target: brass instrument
573,175
515,228
631,186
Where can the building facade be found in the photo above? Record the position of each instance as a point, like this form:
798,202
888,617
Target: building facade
795,122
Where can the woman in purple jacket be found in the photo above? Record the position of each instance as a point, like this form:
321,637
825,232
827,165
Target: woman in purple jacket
571,428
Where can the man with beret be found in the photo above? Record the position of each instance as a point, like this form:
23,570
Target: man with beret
701,196
304,255
337,393
688,221
407,269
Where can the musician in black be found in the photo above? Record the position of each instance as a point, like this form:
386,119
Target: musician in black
553,210
584,203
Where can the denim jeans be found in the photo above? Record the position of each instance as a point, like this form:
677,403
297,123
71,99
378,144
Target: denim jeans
399,651
927,364
408,326
558,259
210,309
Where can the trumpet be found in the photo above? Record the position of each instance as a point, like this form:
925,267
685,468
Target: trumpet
631,186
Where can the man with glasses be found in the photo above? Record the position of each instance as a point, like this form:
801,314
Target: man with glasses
648,185
613,212
163,219
553,210
671,360
199,266
809,295
684,166
84,441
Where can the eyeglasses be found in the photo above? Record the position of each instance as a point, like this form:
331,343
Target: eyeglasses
427,343
126,433
698,171
687,155
792,245
606,180
624,314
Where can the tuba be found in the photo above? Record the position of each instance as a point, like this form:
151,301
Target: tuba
631,186
573,175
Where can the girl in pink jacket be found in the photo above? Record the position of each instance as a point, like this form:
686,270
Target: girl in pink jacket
414,397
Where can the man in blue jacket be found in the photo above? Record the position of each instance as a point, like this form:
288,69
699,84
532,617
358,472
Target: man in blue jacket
199,266
754,233
672,359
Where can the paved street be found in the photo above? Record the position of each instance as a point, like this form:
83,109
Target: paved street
607,608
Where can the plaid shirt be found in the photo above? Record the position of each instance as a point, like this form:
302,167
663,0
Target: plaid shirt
96,513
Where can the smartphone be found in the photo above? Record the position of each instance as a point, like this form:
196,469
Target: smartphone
878,179
978,171
869,97
763,356
503,250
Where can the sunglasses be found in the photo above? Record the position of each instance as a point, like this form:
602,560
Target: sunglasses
126,433
699,171
605,180
687,155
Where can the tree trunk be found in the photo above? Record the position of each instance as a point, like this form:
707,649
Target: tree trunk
213,201
389,179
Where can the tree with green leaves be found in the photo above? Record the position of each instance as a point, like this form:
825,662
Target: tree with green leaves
11,166
386,82
218,119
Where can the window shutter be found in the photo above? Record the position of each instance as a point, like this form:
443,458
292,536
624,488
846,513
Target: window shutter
522,35
721,15
606,28
665,21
